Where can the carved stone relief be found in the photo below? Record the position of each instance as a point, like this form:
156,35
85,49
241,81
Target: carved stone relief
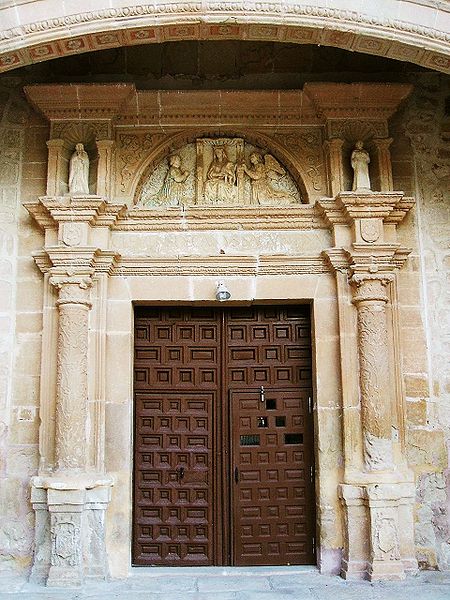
308,144
65,536
385,543
219,172
131,150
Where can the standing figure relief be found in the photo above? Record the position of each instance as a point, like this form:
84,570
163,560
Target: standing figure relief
214,172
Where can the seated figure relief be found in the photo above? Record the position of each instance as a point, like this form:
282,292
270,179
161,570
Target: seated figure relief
218,172
220,185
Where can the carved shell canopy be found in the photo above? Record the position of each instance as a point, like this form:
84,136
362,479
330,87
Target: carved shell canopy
218,172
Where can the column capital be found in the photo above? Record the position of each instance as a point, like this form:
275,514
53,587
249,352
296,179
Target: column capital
371,287
72,288
382,142
335,142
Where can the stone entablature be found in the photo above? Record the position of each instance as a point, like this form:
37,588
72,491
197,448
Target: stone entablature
337,248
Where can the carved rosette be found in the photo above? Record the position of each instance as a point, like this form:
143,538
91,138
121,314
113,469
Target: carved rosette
370,300
72,372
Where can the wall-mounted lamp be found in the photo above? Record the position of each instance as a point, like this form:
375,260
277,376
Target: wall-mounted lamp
222,292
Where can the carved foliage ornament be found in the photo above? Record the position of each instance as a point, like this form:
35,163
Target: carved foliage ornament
219,172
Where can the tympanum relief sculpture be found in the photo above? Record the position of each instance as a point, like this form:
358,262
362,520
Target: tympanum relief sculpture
218,172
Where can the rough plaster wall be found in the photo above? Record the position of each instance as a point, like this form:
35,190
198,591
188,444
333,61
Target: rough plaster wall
20,327
427,127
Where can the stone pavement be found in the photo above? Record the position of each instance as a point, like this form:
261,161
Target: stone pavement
219,583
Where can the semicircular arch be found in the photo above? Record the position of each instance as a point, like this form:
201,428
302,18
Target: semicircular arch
415,31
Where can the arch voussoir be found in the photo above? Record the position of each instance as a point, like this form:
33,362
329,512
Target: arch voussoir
27,39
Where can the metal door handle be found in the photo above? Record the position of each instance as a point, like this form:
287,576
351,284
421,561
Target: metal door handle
236,475
180,473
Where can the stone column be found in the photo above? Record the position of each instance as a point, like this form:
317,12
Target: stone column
333,150
70,536
384,163
72,373
105,153
55,175
375,386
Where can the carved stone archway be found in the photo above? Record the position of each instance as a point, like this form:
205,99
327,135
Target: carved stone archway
415,31
340,252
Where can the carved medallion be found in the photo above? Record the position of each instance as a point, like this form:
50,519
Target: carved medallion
71,234
370,230
216,172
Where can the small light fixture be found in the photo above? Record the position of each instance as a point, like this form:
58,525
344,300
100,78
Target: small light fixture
222,292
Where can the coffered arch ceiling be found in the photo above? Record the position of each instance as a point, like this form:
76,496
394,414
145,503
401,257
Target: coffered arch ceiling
406,30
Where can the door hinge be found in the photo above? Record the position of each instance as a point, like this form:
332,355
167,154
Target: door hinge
311,472
314,545
310,404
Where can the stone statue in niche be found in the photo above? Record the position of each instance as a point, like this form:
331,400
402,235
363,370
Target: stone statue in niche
263,172
172,189
360,160
79,171
216,172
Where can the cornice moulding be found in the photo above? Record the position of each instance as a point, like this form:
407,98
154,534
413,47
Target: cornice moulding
181,219
226,265
79,101
392,207
48,211
368,101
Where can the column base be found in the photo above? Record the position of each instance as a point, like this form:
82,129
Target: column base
379,531
70,529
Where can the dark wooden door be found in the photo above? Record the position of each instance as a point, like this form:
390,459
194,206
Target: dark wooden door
223,437
176,379
269,351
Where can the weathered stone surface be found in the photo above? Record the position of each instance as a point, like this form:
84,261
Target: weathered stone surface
393,334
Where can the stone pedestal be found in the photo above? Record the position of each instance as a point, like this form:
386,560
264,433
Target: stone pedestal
70,532
379,540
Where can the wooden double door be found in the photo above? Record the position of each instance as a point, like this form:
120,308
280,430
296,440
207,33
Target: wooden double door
223,461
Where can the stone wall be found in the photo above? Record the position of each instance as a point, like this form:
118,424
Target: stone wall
22,173
426,125
421,167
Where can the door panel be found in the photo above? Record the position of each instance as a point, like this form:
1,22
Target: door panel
176,385
220,481
271,514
